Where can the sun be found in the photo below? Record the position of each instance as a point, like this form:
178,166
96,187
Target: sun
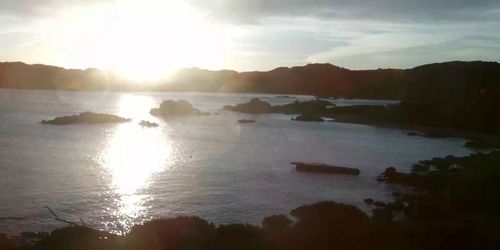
139,41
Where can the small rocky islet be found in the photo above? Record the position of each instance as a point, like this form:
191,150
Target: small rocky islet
254,106
148,124
306,110
86,118
258,106
308,118
246,121
324,168
170,108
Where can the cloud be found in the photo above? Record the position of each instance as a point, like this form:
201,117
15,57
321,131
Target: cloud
32,9
262,35
254,11
486,48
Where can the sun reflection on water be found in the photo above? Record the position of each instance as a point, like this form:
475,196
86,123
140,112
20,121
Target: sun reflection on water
134,154
132,157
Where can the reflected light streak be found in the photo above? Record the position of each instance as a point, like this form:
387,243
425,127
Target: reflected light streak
133,155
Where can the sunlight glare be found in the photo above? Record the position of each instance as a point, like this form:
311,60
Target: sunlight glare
133,156
142,42
136,106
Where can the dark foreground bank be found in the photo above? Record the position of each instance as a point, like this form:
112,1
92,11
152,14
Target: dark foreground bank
454,203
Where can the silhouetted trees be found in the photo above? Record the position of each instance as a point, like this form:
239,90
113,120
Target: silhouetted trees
464,81
173,234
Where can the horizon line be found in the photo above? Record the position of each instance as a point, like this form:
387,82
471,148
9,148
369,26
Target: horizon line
254,71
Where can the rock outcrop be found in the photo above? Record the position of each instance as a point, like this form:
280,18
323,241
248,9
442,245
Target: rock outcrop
325,169
308,118
86,118
391,175
246,121
255,105
175,108
148,124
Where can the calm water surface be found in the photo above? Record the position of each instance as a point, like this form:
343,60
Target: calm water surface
116,175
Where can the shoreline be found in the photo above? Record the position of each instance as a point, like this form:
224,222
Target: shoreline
272,94
424,131
331,222
447,132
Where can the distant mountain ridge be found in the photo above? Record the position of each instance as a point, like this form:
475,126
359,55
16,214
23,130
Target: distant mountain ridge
312,79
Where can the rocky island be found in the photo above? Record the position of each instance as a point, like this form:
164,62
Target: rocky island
415,113
308,118
246,121
86,118
148,124
325,169
256,105
176,108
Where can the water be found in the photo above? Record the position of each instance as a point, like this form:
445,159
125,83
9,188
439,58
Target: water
116,175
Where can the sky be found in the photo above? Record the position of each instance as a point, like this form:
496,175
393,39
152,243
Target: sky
150,36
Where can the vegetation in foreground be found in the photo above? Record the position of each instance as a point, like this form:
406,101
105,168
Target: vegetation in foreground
453,204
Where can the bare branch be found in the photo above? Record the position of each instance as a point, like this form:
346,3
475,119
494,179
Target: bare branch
56,217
